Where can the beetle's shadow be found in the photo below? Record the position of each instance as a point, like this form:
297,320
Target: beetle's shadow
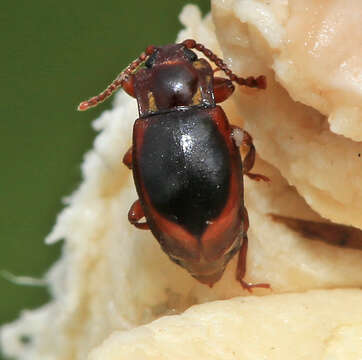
328,232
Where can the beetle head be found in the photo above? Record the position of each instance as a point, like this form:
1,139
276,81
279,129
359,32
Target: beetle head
171,54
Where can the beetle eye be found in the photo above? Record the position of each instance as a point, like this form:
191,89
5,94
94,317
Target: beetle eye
190,55
151,60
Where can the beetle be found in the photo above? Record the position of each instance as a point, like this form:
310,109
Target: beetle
185,158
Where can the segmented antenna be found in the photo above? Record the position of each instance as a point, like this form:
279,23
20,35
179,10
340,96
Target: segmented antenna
259,82
117,82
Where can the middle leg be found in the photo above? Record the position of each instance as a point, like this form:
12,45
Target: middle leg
135,214
243,138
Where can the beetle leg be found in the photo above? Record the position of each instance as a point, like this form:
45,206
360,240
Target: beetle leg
248,163
250,159
135,214
223,88
127,158
241,267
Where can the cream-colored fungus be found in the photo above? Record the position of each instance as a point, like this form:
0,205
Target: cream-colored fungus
308,326
288,120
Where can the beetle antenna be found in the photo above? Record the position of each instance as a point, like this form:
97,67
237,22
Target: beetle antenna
259,82
117,82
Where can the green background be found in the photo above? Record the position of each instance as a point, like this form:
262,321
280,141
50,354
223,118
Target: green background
55,54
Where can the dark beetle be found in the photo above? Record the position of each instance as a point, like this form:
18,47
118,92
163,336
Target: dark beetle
186,164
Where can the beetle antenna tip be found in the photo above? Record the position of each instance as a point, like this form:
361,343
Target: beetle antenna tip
83,106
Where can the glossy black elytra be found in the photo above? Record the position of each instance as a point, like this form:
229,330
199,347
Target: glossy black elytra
186,165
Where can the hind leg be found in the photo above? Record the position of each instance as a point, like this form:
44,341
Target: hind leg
241,267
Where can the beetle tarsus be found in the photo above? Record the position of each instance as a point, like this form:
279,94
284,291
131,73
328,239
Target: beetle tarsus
257,177
249,287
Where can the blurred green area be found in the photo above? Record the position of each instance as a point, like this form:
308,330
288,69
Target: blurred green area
55,54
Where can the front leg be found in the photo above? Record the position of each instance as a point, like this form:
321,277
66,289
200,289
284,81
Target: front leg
127,158
223,88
